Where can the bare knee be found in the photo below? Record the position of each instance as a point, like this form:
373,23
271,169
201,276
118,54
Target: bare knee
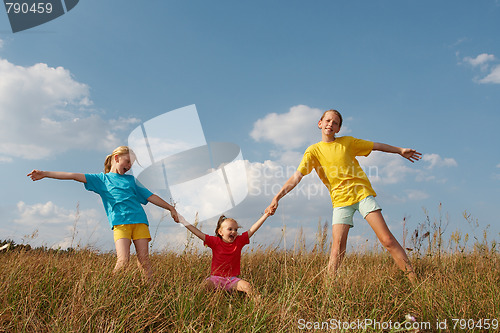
143,257
244,286
338,248
339,239
142,251
389,242
143,263
122,258
122,252
122,261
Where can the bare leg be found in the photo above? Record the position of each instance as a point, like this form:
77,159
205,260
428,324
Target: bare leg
377,222
143,262
244,286
247,288
122,253
339,243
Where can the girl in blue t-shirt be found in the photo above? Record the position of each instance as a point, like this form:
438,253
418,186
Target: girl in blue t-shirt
122,197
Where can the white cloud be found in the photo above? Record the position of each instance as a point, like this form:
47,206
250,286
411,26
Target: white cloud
292,130
4,159
296,129
44,110
266,179
483,61
43,213
480,60
289,157
435,160
386,168
383,168
493,77
55,226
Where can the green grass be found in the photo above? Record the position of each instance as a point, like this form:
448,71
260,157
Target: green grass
47,291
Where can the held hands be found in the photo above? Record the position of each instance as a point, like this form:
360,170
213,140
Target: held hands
271,209
410,154
36,175
182,220
175,215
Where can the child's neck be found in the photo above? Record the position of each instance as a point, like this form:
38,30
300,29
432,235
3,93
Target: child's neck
113,169
326,138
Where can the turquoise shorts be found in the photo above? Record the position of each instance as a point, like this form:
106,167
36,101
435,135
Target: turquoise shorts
344,215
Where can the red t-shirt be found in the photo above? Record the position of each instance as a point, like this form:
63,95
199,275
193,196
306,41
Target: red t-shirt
226,256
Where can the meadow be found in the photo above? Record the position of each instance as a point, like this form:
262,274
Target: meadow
45,290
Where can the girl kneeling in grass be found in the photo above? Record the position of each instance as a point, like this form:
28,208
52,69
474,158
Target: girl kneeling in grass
226,250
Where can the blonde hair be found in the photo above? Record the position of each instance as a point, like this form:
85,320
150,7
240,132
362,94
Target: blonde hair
334,111
222,218
122,150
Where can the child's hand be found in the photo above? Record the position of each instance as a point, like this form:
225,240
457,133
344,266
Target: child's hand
182,220
36,175
174,215
411,154
271,209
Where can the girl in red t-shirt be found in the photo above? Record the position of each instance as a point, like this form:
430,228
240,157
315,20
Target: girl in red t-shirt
226,250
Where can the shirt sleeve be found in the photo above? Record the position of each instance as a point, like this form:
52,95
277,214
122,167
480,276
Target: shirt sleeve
209,241
94,182
361,147
244,238
307,164
142,192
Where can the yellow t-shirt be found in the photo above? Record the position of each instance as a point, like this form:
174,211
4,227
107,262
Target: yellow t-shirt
336,165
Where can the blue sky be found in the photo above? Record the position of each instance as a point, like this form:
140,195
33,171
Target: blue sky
420,74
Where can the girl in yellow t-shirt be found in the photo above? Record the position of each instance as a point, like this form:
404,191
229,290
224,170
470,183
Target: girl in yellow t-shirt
334,160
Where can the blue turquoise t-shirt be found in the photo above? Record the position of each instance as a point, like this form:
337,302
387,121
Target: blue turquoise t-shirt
121,195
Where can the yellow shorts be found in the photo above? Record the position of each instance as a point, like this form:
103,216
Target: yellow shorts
131,231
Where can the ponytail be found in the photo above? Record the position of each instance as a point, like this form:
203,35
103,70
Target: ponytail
107,163
122,150
222,218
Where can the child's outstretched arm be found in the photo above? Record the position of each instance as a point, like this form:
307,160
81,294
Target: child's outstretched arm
197,232
410,154
156,200
287,187
38,174
257,224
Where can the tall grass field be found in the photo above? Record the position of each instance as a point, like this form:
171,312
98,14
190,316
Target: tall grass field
75,291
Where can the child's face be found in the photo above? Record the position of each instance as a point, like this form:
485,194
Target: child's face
330,124
123,163
228,230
